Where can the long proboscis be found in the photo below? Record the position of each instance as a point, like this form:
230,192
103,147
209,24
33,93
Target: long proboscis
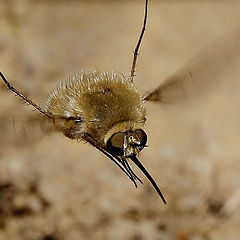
149,177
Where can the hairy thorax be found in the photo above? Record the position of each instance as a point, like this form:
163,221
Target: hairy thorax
96,103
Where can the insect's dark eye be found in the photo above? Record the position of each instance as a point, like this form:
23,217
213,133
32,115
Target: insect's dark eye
78,120
115,143
142,137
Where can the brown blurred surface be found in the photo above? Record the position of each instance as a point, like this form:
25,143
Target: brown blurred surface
54,188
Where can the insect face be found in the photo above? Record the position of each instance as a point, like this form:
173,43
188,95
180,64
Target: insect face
128,143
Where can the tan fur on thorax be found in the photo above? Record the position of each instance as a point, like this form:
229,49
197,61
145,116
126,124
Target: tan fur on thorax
104,102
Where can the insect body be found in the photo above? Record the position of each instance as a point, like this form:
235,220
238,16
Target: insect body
107,111
101,104
103,109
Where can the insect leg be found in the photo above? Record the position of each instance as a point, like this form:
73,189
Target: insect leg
29,101
133,69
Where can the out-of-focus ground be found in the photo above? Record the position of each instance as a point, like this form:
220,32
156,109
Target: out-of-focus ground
52,188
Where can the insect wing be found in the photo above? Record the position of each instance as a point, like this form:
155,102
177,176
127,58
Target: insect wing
206,71
24,130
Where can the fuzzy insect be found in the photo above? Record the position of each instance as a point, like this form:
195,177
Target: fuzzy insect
103,109
106,110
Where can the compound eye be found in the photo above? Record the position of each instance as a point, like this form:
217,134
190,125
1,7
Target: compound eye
115,143
142,137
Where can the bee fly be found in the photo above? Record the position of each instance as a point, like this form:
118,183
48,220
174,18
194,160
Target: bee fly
103,109
107,111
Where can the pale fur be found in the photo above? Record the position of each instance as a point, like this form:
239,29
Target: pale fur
105,102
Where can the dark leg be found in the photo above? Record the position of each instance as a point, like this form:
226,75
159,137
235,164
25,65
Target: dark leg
24,98
133,69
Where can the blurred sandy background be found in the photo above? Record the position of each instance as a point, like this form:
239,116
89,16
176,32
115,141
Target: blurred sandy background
52,188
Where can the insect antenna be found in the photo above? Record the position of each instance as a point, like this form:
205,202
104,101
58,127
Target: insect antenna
115,159
133,69
24,98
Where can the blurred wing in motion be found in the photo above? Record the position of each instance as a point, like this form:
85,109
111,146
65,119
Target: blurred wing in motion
207,71
24,130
